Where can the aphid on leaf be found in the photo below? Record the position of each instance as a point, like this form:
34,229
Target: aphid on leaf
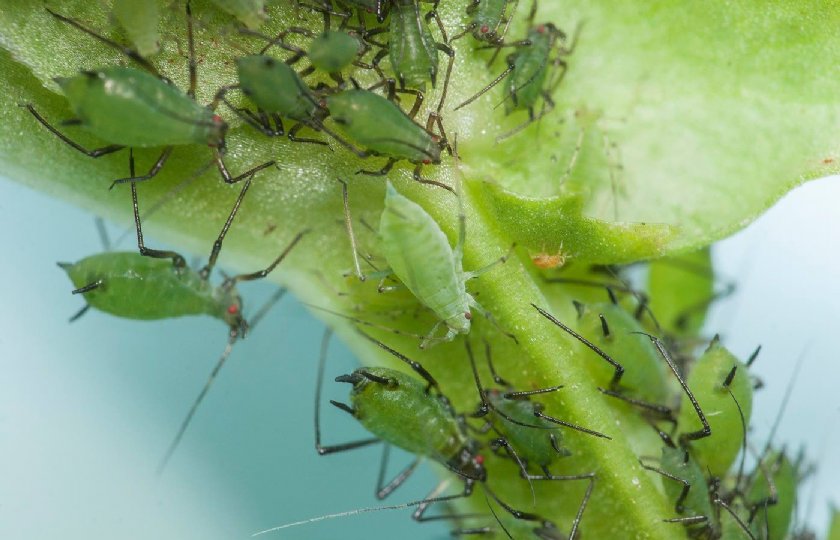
156,284
531,73
128,107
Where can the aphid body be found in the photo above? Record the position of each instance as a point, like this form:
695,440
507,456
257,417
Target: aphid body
333,50
135,286
251,13
398,409
381,128
412,48
717,453
530,68
276,88
487,17
130,107
140,22
419,254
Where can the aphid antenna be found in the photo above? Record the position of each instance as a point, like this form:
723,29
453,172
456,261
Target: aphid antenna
785,399
416,366
127,51
234,335
363,322
495,516
422,502
706,431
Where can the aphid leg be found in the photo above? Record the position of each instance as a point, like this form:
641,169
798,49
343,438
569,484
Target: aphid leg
419,514
484,269
451,53
79,313
149,175
321,449
588,476
547,107
348,223
575,154
384,489
694,435
381,172
178,260
473,303
204,273
686,486
293,135
95,153
501,442
232,281
226,176
619,369
419,178
130,53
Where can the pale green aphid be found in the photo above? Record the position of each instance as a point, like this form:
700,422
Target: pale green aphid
717,452
419,254
139,19
773,500
251,13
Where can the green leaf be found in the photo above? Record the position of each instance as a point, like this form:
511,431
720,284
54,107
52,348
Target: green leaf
682,121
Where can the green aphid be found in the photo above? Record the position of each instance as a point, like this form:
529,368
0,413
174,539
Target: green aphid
715,379
412,49
681,290
128,107
156,284
406,412
380,128
419,254
139,19
703,511
334,50
616,332
278,92
527,433
772,496
251,13
531,73
487,18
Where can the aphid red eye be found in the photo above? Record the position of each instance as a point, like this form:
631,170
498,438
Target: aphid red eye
479,459
427,161
217,119
233,309
468,315
541,29
485,29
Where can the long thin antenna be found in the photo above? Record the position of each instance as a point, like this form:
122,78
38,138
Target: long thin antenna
212,378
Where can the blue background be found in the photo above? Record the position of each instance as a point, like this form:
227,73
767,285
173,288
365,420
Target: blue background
87,410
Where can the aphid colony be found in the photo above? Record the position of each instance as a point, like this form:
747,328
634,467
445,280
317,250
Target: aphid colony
629,354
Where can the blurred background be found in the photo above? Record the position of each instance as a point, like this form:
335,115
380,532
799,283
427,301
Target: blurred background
88,409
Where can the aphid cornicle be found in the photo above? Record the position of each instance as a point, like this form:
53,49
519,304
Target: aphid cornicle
128,107
528,71
156,284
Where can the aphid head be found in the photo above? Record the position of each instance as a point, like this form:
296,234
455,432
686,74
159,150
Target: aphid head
460,323
233,315
217,132
470,465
